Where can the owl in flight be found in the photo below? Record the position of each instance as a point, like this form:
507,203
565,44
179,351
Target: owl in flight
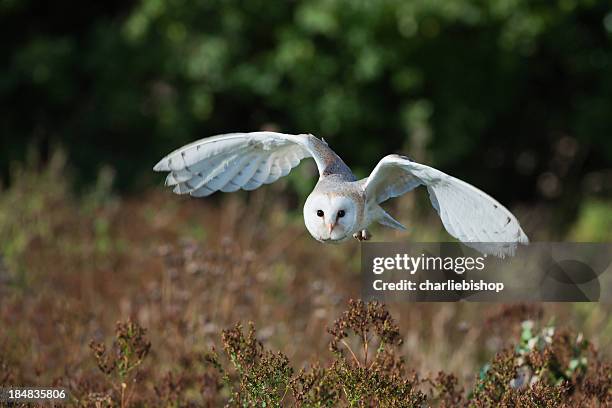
340,206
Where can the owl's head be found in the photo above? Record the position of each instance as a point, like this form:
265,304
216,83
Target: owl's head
330,217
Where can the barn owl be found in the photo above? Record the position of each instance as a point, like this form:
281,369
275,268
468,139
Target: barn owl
340,206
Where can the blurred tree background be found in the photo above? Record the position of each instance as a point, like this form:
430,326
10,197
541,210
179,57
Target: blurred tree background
513,95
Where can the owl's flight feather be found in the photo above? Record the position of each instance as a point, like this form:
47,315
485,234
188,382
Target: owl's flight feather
468,214
240,161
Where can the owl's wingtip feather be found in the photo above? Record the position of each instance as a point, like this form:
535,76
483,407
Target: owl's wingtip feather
161,166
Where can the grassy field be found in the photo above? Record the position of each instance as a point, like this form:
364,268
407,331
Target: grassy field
177,272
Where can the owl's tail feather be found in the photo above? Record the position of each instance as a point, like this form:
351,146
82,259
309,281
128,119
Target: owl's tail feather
388,221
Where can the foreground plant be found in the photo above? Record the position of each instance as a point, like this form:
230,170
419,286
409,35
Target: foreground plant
369,372
120,364
259,377
365,372
546,369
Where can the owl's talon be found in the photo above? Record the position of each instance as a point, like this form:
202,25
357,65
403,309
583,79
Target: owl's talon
363,235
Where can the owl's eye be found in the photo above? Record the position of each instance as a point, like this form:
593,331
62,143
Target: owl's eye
320,213
341,213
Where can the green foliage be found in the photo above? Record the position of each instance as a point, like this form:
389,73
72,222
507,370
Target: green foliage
27,209
465,84
39,205
594,223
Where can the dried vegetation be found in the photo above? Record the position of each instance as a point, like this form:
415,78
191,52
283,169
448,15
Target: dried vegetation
179,276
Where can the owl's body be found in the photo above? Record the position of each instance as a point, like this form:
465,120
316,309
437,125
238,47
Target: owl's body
340,206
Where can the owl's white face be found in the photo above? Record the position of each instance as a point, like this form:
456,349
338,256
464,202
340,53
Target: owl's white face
330,217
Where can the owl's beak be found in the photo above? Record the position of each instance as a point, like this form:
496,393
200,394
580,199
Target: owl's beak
330,227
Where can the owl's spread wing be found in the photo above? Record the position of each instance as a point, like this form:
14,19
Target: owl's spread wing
468,214
240,161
